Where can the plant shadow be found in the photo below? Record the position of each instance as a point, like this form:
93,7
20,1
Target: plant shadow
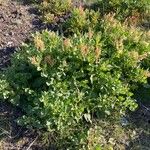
140,123
5,54
13,136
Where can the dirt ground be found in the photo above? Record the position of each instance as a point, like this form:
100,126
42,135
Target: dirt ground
17,22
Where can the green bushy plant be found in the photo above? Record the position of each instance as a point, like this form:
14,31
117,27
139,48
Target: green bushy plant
124,8
81,20
63,83
51,9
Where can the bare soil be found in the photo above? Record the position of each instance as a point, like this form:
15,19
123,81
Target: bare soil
17,22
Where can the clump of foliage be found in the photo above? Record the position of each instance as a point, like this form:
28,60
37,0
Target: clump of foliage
135,9
51,9
81,21
91,20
